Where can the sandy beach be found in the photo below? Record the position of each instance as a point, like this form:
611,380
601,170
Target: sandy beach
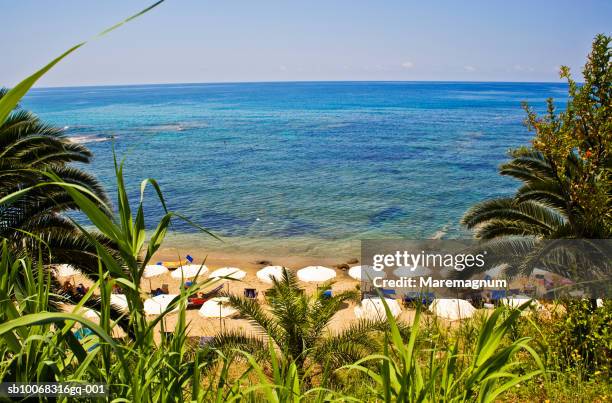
250,263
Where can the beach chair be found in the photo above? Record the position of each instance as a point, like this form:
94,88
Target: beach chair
388,292
212,293
408,299
250,293
327,292
82,333
173,264
414,298
497,295
427,298
195,302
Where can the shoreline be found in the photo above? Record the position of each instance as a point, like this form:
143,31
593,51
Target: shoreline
250,253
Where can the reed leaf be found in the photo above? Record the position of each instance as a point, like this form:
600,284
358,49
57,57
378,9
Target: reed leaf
10,100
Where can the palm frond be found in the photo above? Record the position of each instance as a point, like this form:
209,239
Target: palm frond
252,311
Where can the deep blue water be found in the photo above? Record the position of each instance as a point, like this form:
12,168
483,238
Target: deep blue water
327,161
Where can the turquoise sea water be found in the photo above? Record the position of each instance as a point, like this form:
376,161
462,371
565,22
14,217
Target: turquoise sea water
313,164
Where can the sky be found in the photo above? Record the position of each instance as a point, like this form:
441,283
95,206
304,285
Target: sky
188,41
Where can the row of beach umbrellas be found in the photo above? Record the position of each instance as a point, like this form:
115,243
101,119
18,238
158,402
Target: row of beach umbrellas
193,270
369,308
450,309
213,308
307,274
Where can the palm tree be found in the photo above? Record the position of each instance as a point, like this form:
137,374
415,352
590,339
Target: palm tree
540,208
297,326
537,221
566,191
28,149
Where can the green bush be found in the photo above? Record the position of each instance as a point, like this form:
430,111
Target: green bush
581,337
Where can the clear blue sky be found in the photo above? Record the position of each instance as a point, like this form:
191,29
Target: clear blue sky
246,40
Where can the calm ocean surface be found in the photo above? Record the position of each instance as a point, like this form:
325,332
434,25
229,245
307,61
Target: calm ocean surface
311,166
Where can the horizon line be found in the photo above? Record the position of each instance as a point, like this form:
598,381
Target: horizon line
295,82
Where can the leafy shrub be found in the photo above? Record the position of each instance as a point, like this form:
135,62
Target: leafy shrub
580,336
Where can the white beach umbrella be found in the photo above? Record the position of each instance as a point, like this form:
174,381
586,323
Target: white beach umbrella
410,271
373,308
119,300
158,304
496,271
86,313
189,271
217,308
365,273
66,270
316,274
452,309
229,272
91,314
269,272
515,301
154,270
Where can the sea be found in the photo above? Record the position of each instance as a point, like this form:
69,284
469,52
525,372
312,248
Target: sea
303,167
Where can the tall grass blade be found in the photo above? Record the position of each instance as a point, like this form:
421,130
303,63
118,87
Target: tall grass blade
12,97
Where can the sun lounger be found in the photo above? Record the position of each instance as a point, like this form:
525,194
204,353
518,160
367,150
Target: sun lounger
387,292
250,293
196,302
414,298
327,292
212,293
173,264
496,295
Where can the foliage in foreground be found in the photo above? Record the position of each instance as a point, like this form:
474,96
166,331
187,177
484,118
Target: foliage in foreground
480,373
565,174
297,325
37,345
